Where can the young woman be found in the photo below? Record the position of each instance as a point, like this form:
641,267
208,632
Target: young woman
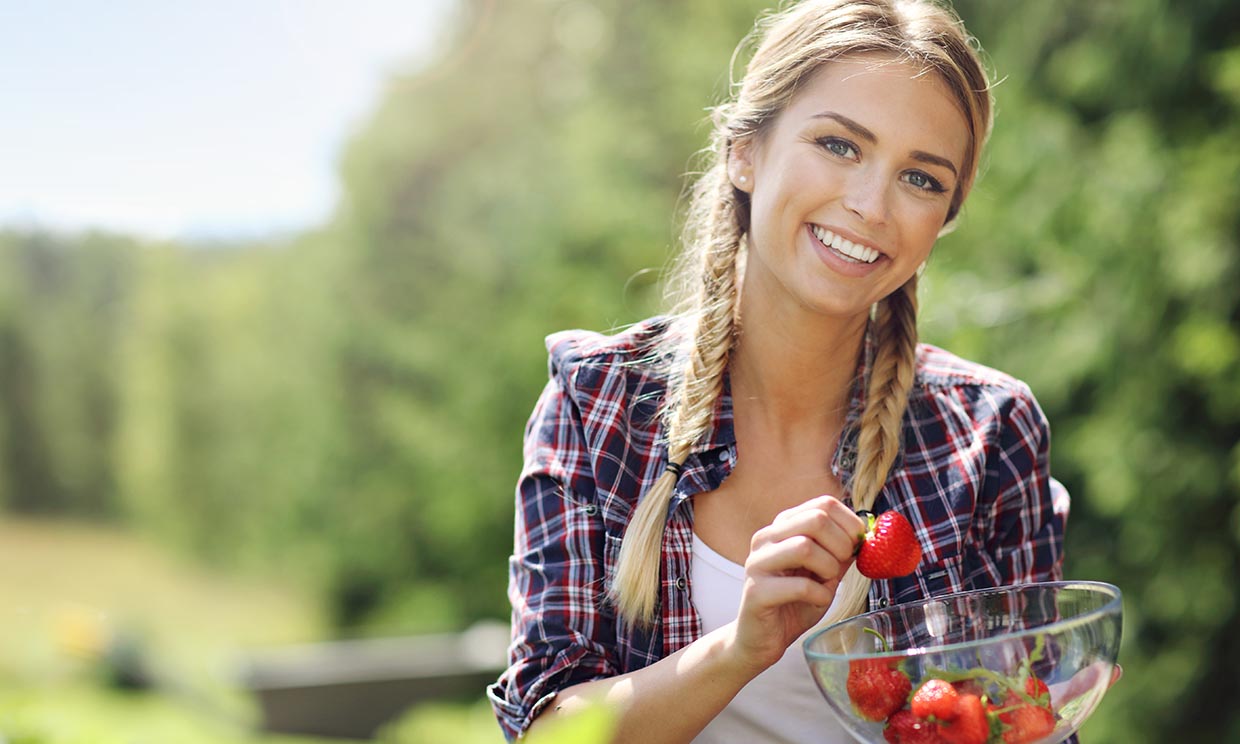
687,510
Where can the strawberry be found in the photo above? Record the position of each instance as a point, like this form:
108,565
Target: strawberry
906,728
1026,724
877,688
936,698
1037,689
970,724
888,548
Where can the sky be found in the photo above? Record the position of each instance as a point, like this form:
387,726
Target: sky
219,119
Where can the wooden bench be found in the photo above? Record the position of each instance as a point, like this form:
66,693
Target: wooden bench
351,688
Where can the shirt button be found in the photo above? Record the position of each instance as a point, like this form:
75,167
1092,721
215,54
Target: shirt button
882,603
590,509
681,583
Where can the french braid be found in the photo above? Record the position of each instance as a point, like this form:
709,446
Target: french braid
879,440
695,390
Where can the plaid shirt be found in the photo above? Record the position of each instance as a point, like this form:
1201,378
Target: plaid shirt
972,477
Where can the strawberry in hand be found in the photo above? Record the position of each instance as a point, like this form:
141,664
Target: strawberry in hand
889,548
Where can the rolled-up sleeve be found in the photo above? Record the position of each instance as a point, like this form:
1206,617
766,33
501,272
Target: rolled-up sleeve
1029,507
560,619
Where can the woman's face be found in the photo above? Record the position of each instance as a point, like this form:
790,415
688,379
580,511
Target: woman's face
850,185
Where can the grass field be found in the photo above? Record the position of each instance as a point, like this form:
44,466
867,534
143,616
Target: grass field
69,591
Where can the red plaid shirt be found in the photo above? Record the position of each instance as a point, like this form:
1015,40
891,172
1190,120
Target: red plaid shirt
973,478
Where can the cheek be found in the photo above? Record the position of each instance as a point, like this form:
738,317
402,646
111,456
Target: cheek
924,224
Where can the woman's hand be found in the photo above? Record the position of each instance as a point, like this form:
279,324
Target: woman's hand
793,570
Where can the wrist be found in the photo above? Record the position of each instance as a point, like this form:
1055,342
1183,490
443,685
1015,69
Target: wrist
739,661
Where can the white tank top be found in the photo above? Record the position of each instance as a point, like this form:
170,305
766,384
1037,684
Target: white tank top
780,705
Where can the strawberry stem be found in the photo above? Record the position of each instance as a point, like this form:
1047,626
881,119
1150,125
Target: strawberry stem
1039,646
881,638
968,674
870,518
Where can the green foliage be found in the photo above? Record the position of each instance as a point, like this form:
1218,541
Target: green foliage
348,406
460,724
475,724
81,714
63,304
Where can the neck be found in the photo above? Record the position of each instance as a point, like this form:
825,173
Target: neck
793,370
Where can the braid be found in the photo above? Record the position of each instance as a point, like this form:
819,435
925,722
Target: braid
887,397
691,399
891,379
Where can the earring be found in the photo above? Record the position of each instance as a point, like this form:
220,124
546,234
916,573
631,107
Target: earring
743,179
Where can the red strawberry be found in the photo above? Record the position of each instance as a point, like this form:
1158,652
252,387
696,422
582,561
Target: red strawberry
905,728
877,688
888,548
1027,724
1037,689
935,698
970,725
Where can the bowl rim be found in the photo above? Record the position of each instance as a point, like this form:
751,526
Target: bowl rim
1115,604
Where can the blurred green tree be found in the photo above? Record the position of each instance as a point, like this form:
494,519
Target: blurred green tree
63,307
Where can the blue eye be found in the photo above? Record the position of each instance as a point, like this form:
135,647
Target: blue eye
923,181
838,147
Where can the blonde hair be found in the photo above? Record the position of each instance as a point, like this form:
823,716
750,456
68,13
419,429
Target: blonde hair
791,46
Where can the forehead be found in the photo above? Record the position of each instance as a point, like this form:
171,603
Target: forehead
904,105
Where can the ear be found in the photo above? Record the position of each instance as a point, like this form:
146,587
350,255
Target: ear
740,164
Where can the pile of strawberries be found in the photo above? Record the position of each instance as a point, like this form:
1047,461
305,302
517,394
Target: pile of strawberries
962,710
975,706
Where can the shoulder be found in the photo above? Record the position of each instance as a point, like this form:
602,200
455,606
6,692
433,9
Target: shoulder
614,380
940,369
579,356
948,384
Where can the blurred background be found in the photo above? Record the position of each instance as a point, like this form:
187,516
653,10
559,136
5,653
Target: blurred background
274,279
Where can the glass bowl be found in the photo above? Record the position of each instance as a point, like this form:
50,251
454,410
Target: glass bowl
1039,657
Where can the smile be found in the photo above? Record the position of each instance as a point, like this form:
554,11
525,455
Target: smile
849,251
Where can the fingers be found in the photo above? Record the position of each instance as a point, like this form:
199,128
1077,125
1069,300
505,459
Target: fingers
832,508
782,590
824,520
797,554
815,539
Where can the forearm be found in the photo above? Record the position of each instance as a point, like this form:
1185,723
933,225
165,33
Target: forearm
670,701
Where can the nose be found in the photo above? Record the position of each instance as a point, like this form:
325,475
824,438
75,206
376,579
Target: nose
866,196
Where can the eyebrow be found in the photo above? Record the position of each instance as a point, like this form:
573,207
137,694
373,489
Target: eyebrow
926,157
866,134
849,124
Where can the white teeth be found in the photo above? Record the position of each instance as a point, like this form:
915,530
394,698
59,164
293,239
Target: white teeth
854,251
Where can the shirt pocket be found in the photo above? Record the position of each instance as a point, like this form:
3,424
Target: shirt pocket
931,579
